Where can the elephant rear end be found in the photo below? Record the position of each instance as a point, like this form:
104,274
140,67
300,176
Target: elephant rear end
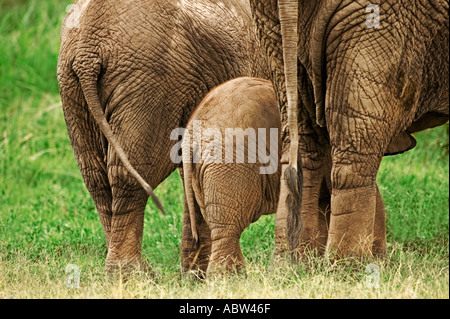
235,177
150,64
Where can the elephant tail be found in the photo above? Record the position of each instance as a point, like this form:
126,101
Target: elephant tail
289,10
188,190
88,81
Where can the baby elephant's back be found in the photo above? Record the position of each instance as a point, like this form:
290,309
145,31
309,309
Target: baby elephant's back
240,103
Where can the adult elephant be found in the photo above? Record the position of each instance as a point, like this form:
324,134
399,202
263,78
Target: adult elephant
130,72
368,75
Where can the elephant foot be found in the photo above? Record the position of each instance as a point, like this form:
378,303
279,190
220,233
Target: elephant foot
226,258
194,275
195,262
125,268
352,223
225,266
281,249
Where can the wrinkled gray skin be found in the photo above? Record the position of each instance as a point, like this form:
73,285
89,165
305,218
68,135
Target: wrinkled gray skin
363,91
130,72
223,197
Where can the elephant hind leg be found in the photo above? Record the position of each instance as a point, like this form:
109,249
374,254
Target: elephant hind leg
315,214
195,254
379,232
324,216
89,150
226,254
232,202
231,262
352,222
129,200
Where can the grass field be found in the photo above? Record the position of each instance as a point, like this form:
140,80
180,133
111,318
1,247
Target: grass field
48,220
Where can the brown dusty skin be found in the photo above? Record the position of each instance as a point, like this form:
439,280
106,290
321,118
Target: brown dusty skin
228,197
363,91
141,70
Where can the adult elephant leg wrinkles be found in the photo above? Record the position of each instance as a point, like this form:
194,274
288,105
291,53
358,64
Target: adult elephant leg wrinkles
149,65
373,87
316,196
127,220
379,228
357,208
89,150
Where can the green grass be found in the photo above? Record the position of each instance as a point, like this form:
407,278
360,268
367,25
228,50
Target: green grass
48,220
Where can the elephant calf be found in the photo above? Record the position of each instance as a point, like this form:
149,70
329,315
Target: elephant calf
231,155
